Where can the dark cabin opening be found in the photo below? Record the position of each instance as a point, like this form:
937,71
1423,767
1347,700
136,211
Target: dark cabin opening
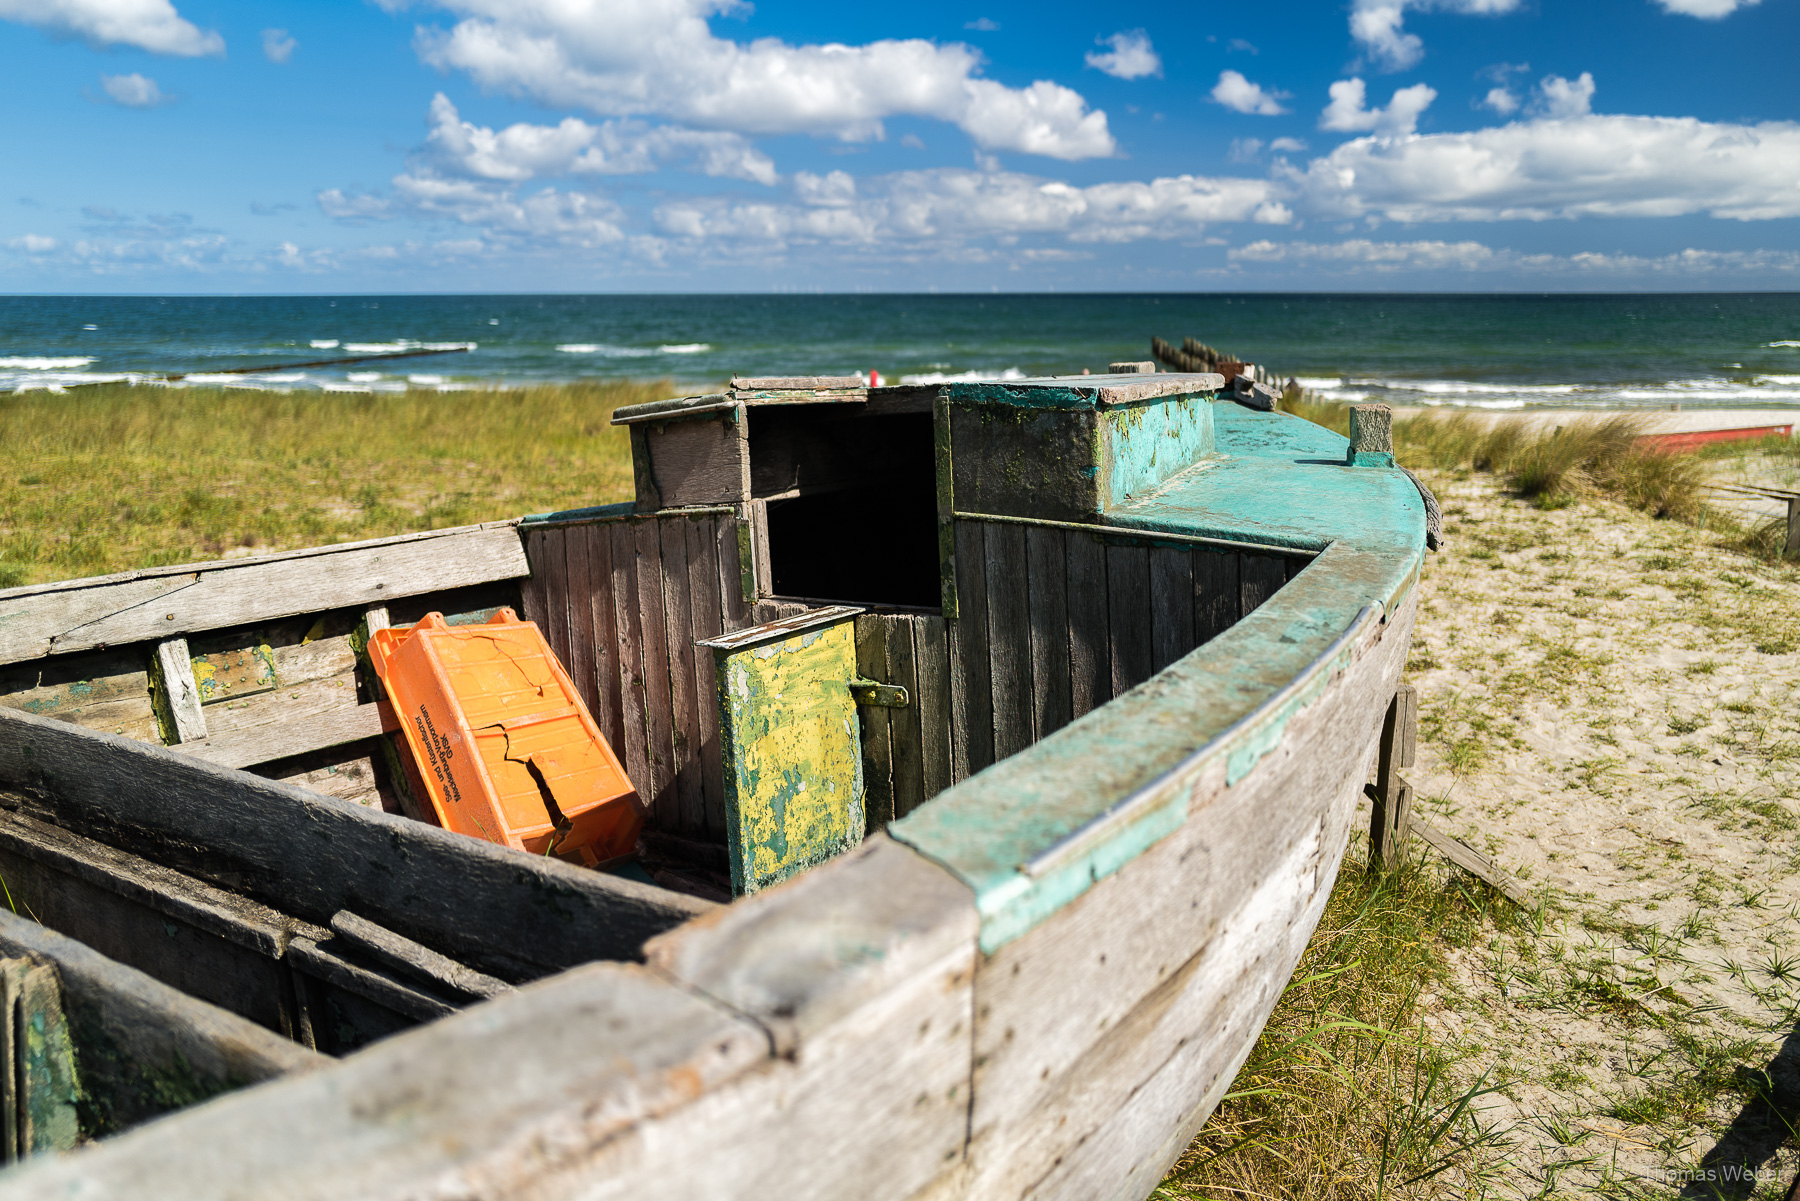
851,502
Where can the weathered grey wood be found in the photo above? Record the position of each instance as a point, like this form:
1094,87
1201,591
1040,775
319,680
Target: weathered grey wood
279,739
601,624
759,541
1371,431
109,611
706,613
629,630
931,651
873,722
1130,1008
684,714
971,697
1475,863
415,959
1171,604
101,690
784,383
1047,567
532,605
905,738
1218,596
503,912
737,571
944,485
666,410
1390,823
471,1125
1090,640
694,461
1792,547
1128,616
555,569
397,996
42,1064
1261,577
270,712
861,973
658,791
1009,637
177,696
146,1048
579,616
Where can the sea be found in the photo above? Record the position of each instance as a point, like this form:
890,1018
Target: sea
1493,352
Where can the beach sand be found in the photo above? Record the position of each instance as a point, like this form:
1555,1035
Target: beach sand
1608,708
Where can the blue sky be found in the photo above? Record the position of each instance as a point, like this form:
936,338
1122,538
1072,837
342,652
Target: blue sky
702,145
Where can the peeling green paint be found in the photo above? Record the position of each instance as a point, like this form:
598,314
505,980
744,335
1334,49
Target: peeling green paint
228,674
791,746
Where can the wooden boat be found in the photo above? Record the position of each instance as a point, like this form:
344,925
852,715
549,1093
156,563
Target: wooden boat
1118,655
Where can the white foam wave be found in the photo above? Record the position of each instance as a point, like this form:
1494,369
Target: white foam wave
1320,383
324,343
363,377
685,348
404,344
364,388
36,363
1783,342
1687,394
1513,403
964,377
1778,379
1450,387
421,379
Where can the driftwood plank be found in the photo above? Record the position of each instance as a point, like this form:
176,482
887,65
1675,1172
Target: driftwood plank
1047,567
1009,637
629,630
1128,615
708,621
1090,642
873,720
684,714
931,652
1171,604
506,913
136,1034
1218,597
1261,576
83,615
970,693
905,738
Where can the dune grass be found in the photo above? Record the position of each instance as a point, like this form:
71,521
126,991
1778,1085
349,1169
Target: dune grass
109,478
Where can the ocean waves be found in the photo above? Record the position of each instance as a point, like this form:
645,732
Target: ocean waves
1755,391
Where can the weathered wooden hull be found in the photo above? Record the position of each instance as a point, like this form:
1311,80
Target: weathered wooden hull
1099,842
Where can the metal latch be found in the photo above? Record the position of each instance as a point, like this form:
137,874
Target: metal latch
873,692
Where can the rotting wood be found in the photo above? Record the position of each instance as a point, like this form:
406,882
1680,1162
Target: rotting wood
1090,640
1128,616
658,788
971,696
1391,796
280,739
932,653
629,627
684,715
415,959
945,489
1260,577
873,723
706,613
177,697
1218,597
110,611
905,731
1171,605
1009,638
45,1090
696,461
1047,571
317,959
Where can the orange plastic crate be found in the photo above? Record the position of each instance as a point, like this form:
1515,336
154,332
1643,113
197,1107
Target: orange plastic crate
506,748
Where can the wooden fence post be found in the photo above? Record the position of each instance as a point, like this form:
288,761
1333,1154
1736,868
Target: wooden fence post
1793,531
1390,819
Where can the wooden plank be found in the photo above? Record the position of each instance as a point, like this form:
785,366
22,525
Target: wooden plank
43,1062
659,715
737,572
1171,605
873,720
759,542
1261,576
905,738
971,697
415,959
579,662
708,621
684,716
1009,637
531,590
629,631
555,626
931,653
136,1034
1474,862
1128,616
1090,643
83,615
699,461
1218,595
102,690
603,621
346,773
945,487
1047,565
322,962
272,713
280,739
508,914
177,696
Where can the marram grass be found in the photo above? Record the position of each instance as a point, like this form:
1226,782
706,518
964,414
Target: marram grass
109,478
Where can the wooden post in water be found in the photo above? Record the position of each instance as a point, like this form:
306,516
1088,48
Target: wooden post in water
1390,819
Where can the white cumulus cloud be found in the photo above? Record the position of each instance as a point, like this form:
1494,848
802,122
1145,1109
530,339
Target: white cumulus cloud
1710,10
151,25
1363,256
278,45
1131,56
1581,166
1348,111
1237,93
1561,98
132,91
661,58
1378,25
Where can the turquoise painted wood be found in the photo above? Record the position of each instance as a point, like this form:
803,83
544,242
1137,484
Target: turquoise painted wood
1033,832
